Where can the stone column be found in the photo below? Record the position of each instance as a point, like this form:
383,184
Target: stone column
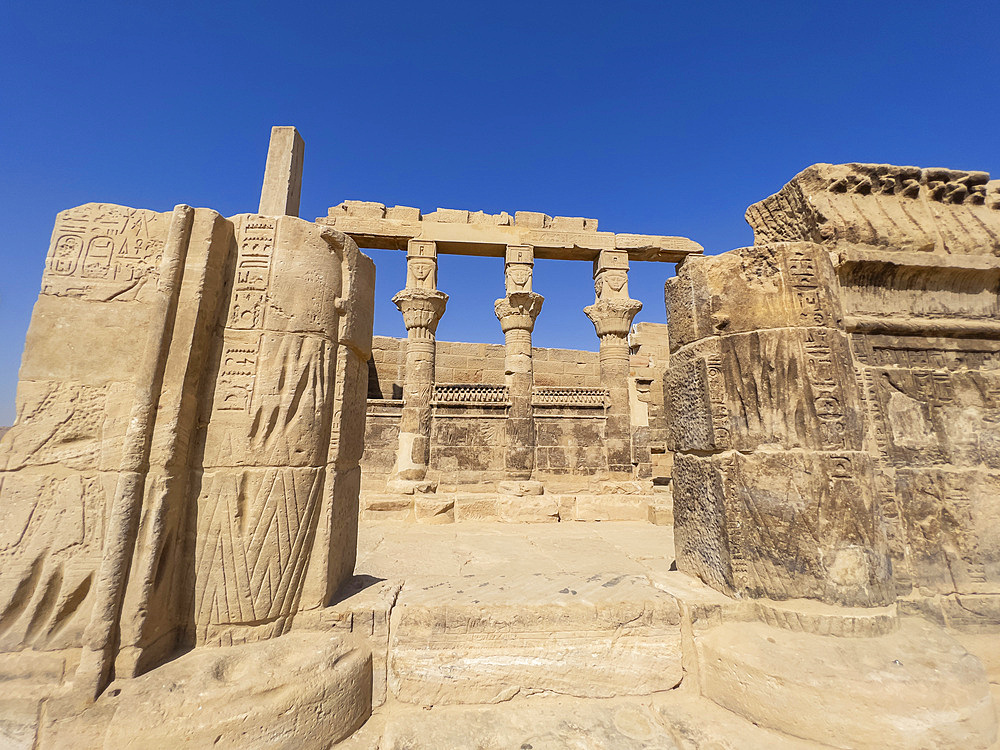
422,306
612,314
517,312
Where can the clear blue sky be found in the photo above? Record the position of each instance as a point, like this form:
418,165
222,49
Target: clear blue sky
653,117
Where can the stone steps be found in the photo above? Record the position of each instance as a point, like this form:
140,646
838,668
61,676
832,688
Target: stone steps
483,639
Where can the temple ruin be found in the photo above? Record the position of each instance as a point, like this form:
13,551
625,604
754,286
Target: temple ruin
231,517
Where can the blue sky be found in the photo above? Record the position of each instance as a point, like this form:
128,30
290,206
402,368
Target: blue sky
653,117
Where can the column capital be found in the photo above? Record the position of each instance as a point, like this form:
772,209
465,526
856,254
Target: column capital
517,311
421,264
518,263
422,309
612,318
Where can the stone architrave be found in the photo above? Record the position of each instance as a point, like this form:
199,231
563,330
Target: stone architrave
612,314
517,312
422,306
190,377
282,187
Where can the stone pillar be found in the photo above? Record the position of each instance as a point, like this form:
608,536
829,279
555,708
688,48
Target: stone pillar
422,306
517,312
282,187
612,314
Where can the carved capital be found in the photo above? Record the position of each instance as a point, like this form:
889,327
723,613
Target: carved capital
612,318
518,311
422,309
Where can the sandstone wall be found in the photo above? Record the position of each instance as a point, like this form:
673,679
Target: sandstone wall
458,362
835,396
184,465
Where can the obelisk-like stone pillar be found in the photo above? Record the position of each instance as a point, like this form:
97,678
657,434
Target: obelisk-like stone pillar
612,314
517,312
422,306
282,187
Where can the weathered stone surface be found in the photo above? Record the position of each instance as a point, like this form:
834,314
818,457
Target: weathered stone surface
886,207
299,691
184,468
918,687
470,642
812,534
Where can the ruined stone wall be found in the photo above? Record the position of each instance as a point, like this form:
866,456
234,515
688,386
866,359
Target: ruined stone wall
184,465
835,396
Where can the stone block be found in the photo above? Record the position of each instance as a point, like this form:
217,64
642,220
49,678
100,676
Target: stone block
951,518
752,289
612,507
477,507
569,224
520,488
402,213
884,207
528,508
387,508
433,509
448,216
364,209
603,636
792,387
782,525
531,219
812,686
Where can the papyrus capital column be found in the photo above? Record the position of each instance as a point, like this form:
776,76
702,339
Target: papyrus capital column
612,314
516,313
422,306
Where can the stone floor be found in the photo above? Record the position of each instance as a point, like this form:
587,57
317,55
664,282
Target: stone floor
501,635
539,636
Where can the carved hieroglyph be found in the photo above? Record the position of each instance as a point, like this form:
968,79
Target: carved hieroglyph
836,389
184,466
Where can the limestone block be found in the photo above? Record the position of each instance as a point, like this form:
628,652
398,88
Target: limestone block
793,388
600,637
755,288
914,688
521,488
304,690
782,525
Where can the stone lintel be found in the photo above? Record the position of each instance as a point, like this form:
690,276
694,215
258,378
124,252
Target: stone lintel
467,233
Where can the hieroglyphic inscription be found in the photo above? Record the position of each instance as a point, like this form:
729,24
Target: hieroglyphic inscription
716,383
104,252
734,524
826,390
805,286
253,271
238,371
